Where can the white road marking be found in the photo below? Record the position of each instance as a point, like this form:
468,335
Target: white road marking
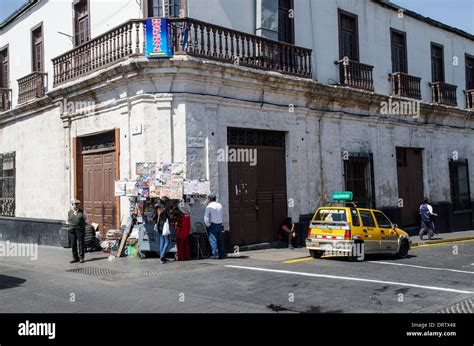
421,267
352,279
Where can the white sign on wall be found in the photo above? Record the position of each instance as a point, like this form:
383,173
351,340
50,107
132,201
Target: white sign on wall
195,142
137,129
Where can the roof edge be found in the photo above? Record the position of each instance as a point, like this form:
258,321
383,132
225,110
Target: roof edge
29,4
433,22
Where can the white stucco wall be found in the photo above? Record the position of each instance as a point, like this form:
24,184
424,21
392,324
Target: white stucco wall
40,146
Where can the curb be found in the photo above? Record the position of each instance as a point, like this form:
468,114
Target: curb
440,241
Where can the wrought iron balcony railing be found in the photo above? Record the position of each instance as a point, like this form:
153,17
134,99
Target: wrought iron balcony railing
5,99
188,36
355,74
469,98
405,85
444,93
32,86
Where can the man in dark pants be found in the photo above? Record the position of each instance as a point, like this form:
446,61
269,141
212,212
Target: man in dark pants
77,219
426,214
213,221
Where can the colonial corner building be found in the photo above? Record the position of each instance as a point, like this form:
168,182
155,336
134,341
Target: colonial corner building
326,96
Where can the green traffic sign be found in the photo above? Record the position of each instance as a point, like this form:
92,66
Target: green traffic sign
342,196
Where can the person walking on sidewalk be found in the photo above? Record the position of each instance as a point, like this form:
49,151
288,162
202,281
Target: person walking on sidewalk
213,221
426,213
77,219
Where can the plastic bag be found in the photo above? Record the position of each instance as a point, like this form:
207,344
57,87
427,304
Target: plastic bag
166,228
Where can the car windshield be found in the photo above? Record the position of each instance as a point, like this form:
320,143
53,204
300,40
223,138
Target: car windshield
331,215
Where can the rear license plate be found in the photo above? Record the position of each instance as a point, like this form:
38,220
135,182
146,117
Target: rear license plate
326,246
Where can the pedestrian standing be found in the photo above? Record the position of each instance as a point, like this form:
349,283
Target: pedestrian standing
162,226
77,219
213,221
183,227
426,214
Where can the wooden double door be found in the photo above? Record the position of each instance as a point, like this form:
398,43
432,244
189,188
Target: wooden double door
99,198
410,183
96,167
257,195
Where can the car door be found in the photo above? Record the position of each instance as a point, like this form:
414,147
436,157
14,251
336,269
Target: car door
388,237
370,231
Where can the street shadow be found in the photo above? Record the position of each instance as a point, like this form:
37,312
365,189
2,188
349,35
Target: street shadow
96,259
10,281
371,257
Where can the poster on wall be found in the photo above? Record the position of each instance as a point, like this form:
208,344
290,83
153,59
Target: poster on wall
157,38
120,188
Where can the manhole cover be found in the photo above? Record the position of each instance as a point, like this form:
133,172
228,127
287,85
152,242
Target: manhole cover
463,307
109,274
97,272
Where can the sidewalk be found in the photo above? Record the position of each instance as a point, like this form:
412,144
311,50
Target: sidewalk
443,238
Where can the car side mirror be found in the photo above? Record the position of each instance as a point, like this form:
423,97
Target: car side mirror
394,225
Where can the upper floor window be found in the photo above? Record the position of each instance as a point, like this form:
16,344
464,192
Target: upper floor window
437,63
164,8
4,80
469,72
399,51
37,48
81,22
286,29
348,36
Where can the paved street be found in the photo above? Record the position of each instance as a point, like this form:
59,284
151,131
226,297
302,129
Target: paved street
432,279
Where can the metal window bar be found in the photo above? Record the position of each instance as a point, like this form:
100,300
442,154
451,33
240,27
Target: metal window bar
459,182
358,178
7,184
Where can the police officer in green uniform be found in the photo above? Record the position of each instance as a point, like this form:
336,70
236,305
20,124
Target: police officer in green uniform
77,229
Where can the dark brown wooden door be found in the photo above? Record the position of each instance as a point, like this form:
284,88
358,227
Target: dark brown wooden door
410,183
99,199
257,196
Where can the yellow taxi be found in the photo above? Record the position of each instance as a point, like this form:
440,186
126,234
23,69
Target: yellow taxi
346,230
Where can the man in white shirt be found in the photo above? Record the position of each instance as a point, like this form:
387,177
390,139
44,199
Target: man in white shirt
213,221
426,215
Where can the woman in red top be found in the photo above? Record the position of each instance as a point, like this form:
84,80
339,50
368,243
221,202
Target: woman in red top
183,227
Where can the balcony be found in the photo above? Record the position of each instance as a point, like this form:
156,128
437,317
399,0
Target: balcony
405,85
355,74
32,86
189,37
5,99
469,98
443,93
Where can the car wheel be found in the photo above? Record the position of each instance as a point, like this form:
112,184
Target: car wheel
359,252
316,253
403,251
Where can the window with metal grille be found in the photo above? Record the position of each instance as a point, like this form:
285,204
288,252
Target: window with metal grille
359,178
7,184
164,8
459,181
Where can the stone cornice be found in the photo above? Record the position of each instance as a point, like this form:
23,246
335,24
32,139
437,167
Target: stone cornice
188,75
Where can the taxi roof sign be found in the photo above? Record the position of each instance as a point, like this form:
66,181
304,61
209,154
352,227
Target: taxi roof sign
342,196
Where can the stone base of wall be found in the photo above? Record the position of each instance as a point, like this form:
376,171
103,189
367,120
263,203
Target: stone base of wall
31,231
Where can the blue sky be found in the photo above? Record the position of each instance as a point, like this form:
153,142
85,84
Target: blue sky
457,13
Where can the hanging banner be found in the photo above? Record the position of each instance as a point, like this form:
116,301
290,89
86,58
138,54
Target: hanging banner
157,38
